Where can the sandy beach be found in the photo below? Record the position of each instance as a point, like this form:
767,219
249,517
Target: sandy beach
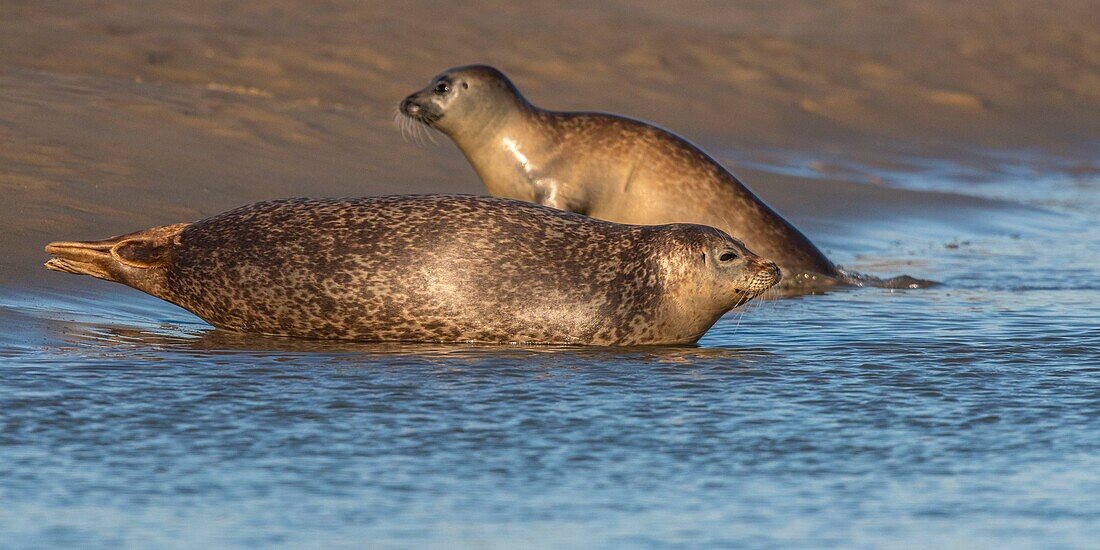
117,116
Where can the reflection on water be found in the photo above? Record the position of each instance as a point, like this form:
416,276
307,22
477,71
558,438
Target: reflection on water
964,415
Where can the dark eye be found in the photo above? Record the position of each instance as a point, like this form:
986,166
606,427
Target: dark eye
727,257
441,88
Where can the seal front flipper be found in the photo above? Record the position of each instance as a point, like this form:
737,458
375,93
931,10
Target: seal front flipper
555,194
134,259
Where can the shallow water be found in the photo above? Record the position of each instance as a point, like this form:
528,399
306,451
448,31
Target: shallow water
963,415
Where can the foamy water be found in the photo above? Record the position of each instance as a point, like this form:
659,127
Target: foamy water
963,415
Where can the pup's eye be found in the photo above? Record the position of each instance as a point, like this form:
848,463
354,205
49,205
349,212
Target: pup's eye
441,88
727,257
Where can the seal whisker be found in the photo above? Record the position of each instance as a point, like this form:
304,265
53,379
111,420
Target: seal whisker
399,121
431,137
410,129
759,302
424,131
411,125
740,315
418,131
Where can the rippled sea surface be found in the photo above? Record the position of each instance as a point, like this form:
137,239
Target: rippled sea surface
965,415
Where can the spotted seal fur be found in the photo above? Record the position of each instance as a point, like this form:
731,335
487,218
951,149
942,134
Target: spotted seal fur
441,268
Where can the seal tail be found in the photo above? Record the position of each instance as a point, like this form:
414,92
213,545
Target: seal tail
129,259
901,281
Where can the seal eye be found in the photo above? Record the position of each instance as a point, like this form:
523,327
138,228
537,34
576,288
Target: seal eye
441,88
727,257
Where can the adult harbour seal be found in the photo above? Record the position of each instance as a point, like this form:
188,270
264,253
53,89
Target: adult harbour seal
605,166
442,268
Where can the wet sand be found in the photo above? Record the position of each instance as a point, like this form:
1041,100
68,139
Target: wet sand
120,116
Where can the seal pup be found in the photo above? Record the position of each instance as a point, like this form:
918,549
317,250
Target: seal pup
436,268
608,167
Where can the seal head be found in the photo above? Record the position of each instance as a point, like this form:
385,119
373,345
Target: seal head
466,100
721,273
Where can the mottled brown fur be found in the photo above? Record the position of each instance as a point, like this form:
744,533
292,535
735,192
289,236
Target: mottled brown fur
434,268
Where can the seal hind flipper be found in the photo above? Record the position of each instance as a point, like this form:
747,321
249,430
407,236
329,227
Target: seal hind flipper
125,259
856,278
